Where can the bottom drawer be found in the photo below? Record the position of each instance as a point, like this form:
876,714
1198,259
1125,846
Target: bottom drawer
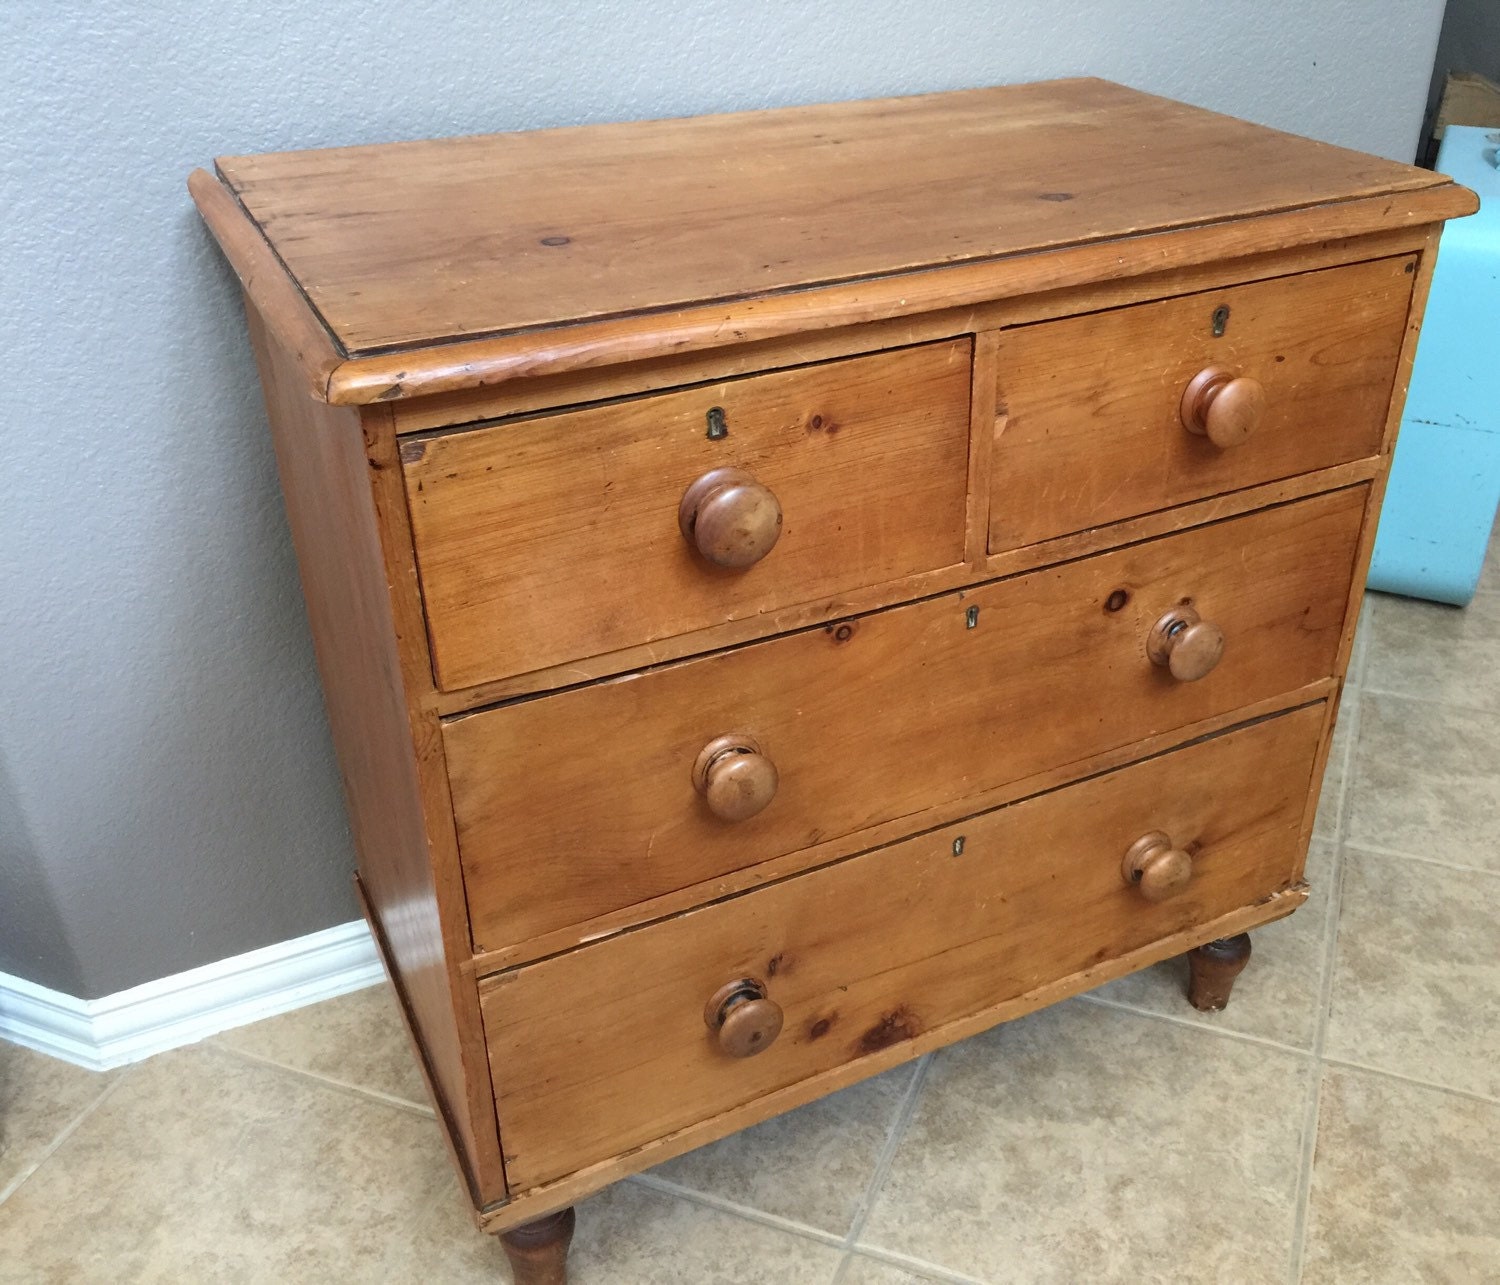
606,1047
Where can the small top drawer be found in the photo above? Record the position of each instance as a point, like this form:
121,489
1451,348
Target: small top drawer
569,535
1114,414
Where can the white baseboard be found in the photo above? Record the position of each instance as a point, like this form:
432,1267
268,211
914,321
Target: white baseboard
165,1014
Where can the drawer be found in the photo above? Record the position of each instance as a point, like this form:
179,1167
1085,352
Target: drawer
605,1048
569,535
1090,428
583,802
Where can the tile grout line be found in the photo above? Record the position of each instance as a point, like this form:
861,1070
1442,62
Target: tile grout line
53,1147
1311,1113
1345,814
933,1271
723,1205
883,1162
1359,654
1349,1064
1427,700
1196,1024
375,1095
1395,854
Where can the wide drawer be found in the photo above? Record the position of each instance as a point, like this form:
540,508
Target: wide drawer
604,1048
566,536
1090,424
576,804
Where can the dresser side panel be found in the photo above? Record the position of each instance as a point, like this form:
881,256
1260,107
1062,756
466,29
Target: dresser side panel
1416,307
327,469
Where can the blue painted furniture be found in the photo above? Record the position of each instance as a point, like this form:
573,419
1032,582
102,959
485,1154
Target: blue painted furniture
1445,480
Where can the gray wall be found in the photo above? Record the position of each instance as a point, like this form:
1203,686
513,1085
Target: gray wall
166,783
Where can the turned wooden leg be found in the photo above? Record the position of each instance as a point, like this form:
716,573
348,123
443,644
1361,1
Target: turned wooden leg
538,1251
1213,968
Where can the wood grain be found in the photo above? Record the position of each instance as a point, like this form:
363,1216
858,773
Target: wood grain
862,287
1422,285
554,539
924,585
1088,425
407,244
580,803
1423,281
1035,894
451,367
631,378
981,438
538,1251
1213,967
555,1195
352,581
777,868
424,730
274,294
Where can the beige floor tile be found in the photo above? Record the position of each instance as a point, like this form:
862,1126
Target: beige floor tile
1404,1185
1435,652
1426,779
1417,982
871,1271
201,1166
356,1039
40,1096
1277,995
1331,799
811,1165
633,1235
1088,1144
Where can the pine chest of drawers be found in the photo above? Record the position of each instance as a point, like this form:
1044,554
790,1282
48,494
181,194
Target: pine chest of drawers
795,589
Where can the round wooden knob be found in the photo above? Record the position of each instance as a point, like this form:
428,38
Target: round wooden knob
744,1020
1222,406
1186,644
735,778
730,518
1154,866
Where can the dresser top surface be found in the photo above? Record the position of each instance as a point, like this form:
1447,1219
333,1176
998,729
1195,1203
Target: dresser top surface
408,245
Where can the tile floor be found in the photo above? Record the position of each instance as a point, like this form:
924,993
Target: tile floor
1340,1122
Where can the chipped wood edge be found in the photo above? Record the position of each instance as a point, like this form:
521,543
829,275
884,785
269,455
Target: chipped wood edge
565,1191
470,363
272,290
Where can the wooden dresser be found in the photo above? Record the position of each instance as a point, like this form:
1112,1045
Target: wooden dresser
794,589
